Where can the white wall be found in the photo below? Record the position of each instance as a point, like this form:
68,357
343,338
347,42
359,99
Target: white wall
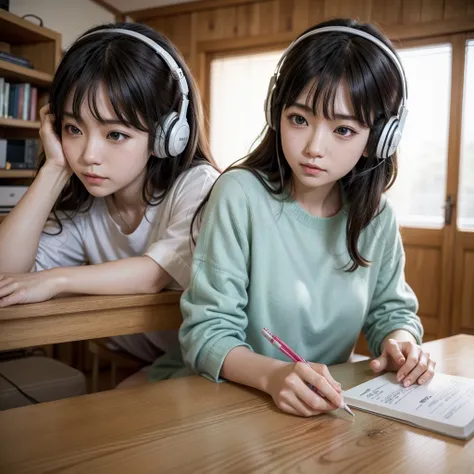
68,17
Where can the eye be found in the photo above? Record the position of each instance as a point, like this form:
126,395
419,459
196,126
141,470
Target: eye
72,130
117,136
298,120
345,131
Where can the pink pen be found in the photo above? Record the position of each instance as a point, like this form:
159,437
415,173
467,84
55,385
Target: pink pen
291,354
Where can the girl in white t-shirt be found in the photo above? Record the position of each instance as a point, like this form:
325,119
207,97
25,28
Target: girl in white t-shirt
125,166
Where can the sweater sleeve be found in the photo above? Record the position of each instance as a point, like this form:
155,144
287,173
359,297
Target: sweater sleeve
394,304
213,306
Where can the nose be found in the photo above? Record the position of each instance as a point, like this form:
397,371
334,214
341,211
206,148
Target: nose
92,154
316,144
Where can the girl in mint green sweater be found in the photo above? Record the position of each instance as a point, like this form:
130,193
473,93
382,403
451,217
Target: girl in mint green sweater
299,237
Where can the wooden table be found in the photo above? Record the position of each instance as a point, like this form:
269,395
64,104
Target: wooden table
193,425
87,317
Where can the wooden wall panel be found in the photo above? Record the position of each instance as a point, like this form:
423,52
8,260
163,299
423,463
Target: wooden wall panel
387,12
248,20
188,27
316,14
412,11
267,18
456,8
467,294
179,31
303,12
423,274
360,9
432,10
285,15
463,299
216,24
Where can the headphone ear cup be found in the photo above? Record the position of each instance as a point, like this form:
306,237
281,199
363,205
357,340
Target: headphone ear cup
177,137
389,139
162,132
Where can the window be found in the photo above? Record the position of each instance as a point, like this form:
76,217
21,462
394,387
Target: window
419,191
466,175
239,86
238,89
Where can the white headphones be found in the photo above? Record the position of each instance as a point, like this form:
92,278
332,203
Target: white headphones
392,132
172,136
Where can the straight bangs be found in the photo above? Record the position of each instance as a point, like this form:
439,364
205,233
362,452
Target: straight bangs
141,91
139,87
127,111
122,85
331,63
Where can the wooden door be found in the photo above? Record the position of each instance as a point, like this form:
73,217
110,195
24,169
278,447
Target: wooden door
440,256
463,302
463,294
429,251
440,262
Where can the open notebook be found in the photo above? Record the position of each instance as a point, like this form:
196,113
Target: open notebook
445,404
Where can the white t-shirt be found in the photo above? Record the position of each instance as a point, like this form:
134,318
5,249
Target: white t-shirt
93,237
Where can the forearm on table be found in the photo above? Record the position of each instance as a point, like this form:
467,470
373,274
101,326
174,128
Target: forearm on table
134,275
243,366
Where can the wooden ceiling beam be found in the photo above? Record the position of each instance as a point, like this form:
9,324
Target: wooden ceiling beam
180,8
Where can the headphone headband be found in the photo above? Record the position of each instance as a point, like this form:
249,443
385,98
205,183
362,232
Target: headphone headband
391,134
355,32
173,135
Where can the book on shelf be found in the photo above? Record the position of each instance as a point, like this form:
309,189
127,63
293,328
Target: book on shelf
3,153
19,154
18,60
19,101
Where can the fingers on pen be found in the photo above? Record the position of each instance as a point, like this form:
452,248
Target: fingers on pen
320,382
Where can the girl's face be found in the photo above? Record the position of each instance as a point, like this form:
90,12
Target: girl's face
321,151
107,157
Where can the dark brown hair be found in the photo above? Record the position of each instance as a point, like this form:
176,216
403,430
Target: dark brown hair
141,90
375,90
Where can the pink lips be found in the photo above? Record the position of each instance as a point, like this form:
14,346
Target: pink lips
94,179
312,170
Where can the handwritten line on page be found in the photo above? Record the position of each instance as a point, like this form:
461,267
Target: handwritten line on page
445,404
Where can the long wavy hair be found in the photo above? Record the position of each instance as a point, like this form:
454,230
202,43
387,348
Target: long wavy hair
141,90
375,90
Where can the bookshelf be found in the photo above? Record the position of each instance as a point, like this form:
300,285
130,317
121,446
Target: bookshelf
17,123
13,174
17,73
42,48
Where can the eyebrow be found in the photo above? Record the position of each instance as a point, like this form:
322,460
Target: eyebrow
307,108
106,122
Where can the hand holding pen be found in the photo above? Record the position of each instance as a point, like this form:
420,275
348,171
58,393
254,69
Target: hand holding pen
303,389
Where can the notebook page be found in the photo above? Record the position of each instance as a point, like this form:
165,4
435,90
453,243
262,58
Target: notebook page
446,401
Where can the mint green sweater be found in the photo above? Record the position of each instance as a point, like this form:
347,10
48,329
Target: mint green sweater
262,262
